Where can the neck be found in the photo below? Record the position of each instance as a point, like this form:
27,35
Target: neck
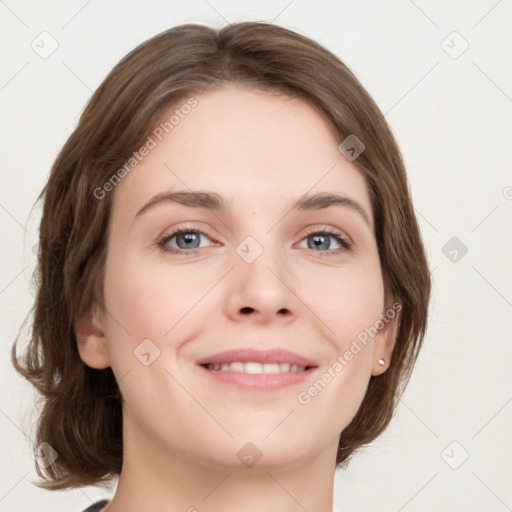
170,480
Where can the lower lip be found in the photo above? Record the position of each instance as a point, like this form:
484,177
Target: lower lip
259,381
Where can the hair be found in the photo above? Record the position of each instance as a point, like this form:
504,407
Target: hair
81,413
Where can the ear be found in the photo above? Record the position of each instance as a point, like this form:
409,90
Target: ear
91,340
385,340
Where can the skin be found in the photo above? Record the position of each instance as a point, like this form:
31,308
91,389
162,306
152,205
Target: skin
182,429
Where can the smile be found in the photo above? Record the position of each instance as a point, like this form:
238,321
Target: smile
255,368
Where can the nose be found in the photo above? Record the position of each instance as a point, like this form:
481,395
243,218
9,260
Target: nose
261,285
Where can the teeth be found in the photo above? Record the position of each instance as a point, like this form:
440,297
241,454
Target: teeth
256,368
235,367
251,367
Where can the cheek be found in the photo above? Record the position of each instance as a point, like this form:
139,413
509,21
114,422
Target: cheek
153,302
346,301
148,300
338,393
350,307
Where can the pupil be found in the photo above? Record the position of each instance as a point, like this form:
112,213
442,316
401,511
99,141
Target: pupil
189,237
319,240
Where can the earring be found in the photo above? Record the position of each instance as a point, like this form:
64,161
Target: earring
381,362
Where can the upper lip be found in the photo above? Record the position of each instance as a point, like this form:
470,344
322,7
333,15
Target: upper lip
275,355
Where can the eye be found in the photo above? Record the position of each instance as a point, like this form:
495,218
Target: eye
187,241
317,240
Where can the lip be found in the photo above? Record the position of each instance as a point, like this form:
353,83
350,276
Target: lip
260,381
275,355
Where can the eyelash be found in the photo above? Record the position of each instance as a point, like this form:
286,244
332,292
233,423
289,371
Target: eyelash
341,238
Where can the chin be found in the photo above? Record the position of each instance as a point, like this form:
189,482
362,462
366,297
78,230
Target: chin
273,452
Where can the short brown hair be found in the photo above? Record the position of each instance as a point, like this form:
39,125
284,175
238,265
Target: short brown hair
81,417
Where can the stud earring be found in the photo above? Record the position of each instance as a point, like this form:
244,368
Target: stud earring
381,362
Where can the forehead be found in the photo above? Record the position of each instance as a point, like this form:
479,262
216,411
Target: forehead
251,147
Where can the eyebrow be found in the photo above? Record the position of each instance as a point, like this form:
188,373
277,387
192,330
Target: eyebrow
213,201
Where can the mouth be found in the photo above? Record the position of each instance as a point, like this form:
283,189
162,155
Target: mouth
252,369
256,368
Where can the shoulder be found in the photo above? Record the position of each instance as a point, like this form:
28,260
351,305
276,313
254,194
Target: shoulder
96,507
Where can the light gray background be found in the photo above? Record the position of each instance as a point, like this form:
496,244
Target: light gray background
452,115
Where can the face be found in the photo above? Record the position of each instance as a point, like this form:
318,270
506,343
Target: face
255,272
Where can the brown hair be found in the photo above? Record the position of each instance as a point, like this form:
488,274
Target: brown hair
81,416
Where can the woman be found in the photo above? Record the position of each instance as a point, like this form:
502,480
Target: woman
233,290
